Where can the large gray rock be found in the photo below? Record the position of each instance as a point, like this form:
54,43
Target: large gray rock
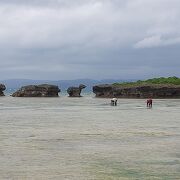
43,90
2,88
75,91
142,91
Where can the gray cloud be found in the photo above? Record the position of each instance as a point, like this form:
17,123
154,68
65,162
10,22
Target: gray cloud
154,41
67,39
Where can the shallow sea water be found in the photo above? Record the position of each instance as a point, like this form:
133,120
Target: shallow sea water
87,139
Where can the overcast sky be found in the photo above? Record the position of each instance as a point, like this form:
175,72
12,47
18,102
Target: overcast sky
98,39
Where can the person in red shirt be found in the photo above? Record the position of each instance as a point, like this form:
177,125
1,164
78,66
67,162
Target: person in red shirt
149,103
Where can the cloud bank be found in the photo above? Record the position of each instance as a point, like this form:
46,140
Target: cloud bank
67,39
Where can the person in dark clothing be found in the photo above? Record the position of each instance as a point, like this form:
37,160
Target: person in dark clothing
149,103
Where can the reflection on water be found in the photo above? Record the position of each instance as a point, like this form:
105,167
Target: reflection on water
86,138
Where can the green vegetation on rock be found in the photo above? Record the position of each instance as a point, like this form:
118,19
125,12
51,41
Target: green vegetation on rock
155,81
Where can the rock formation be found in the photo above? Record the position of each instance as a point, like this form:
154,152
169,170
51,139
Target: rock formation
43,90
2,88
141,91
75,91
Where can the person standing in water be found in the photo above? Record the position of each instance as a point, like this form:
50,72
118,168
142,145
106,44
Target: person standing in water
114,101
149,103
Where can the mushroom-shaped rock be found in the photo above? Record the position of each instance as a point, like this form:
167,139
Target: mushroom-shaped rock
2,88
75,91
43,90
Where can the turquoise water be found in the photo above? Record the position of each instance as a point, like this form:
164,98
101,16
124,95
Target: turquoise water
86,138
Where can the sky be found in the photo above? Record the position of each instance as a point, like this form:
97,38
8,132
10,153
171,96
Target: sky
95,39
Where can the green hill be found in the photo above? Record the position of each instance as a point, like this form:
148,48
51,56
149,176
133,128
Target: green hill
155,81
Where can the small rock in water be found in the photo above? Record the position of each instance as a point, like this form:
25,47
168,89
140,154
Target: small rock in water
2,88
75,91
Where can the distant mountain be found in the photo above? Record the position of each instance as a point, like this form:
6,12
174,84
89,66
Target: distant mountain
14,84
